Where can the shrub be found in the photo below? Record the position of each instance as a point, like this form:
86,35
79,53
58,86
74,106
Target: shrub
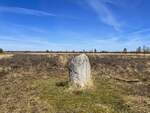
1,50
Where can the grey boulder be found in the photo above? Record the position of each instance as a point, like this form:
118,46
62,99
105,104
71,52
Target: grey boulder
80,71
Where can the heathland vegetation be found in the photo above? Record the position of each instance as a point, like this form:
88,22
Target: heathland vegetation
39,83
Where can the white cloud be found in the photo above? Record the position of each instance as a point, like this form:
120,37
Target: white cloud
25,11
105,14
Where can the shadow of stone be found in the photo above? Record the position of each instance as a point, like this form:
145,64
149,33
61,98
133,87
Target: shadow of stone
62,84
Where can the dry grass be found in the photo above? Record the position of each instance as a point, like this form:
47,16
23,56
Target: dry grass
38,84
6,56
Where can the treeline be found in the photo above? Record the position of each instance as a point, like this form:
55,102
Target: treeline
143,49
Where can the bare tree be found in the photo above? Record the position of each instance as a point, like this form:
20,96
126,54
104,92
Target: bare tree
146,49
139,49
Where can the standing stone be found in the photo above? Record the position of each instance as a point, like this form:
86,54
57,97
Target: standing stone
80,71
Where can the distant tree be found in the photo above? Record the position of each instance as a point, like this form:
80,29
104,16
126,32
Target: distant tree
1,50
95,50
51,51
103,51
146,49
47,51
125,50
139,49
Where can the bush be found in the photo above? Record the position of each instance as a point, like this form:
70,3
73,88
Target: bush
1,50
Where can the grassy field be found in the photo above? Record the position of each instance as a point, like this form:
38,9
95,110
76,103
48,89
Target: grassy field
39,84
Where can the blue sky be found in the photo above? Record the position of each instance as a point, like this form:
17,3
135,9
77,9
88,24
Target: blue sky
74,24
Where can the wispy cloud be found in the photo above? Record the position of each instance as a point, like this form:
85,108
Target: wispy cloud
13,43
124,3
115,44
105,14
141,31
26,42
33,12
26,11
